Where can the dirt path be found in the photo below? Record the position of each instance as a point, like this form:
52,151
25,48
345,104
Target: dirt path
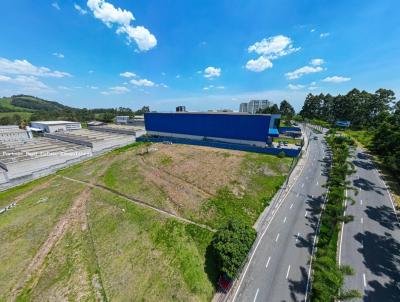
75,215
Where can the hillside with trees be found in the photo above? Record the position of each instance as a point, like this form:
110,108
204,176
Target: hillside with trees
21,109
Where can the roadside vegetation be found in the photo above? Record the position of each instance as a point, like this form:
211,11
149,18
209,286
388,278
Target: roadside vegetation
231,244
375,124
328,277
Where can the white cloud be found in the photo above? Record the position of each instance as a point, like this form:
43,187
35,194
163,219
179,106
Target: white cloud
336,79
56,6
142,83
107,13
324,35
116,90
128,74
4,78
30,83
110,15
259,64
80,9
312,30
295,86
212,72
26,68
58,55
91,71
178,76
94,87
302,71
141,35
273,47
317,62
209,87
269,49
163,85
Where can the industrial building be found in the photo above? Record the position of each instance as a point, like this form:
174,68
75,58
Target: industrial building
119,129
54,126
13,133
27,158
122,119
239,128
99,142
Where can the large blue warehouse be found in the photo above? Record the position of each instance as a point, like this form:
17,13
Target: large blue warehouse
242,128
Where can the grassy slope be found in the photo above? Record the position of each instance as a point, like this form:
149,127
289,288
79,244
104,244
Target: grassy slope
24,228
127,252
143,255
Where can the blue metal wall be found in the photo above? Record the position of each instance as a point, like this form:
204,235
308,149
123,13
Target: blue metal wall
231,126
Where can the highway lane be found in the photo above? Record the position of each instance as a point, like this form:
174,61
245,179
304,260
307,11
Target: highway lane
279,267
371,242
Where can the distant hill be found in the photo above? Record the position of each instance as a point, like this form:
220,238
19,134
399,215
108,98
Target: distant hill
27,103
21,109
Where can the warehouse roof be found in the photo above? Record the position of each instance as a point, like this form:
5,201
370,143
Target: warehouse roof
54,122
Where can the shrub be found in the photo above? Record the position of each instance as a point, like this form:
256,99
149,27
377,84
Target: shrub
231,244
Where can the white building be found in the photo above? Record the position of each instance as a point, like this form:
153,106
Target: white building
121,119
55,126
243,107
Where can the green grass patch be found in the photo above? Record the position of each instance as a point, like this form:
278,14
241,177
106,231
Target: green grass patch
364,137
143,255
24,228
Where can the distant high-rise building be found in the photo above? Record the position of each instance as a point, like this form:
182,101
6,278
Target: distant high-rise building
181,109
243,107
253,106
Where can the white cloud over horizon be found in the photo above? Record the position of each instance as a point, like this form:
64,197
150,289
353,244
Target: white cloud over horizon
269,49
24,67
116,90
336,79
80,9
109,15
128,74
58,55
142,83
212,72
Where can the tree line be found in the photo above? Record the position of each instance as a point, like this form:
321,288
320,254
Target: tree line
377,113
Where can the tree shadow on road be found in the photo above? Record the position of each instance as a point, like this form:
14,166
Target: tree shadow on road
382,258
363,165
298,287
385,216
366,185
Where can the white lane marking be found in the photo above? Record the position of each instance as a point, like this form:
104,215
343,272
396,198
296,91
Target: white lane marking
277,237
269,258
362,220
364,280
302,185
305,215
255,297
263,234
317,183
288,270
361,202
284,220
291,206
297,237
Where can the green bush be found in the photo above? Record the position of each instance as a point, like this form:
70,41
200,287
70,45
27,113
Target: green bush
231,244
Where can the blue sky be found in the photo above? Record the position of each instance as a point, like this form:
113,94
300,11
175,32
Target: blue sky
205,54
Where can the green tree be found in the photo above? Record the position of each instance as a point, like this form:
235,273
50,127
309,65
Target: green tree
286,109
231,244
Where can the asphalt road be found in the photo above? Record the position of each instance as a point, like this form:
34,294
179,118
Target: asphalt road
279,268
371,242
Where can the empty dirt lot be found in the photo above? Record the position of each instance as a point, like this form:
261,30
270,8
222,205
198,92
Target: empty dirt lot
79,238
